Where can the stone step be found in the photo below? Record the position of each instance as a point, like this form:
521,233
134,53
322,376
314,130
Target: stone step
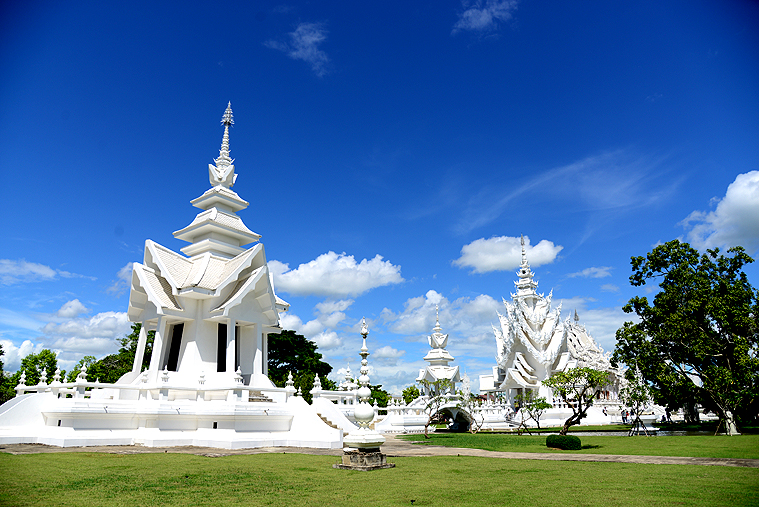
327,422
257,396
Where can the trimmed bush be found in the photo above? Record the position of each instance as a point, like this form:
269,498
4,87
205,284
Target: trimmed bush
565,442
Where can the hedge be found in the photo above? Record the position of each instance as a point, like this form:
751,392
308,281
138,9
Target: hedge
566,442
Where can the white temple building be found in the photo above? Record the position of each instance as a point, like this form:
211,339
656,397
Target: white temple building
438,358
212,310
532,342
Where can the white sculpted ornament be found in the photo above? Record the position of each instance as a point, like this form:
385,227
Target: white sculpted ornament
223,173
437,340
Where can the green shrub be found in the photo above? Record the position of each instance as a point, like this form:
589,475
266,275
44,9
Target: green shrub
566,442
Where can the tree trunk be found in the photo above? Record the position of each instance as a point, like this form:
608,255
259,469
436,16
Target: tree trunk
691,413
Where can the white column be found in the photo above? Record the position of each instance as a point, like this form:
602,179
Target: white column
258,354
265,341
140,353
158,344
231,366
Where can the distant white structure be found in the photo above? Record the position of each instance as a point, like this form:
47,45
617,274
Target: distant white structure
411,418
212,310
532,342
438,358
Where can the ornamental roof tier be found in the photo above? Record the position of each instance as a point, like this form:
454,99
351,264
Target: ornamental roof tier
217,229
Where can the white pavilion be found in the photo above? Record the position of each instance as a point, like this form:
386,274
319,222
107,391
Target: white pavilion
212,310
438,358
532,342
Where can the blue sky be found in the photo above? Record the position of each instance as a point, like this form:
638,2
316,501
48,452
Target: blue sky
392,153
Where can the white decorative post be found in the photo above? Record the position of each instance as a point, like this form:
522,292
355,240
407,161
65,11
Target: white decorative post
289,386
21,387
362,451
317,389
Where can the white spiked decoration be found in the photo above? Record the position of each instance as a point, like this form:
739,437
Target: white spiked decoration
57,376
223,172
43,378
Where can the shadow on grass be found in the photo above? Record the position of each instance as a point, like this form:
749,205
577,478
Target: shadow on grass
591,446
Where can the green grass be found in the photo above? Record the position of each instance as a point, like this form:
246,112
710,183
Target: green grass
743,446
86,479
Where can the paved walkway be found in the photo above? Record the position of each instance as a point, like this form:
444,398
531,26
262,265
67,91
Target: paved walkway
394,447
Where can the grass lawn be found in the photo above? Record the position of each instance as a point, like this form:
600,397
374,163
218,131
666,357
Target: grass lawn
86,479
742,446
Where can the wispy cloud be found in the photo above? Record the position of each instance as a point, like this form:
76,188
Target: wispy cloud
303,44
123,280
619,180
594,272
734,222
484,16
21,271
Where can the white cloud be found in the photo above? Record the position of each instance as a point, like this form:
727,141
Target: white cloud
468,320
388,352
594,272
609,287
327,340
72,309
418,315
483,16
504,252
13,354
303,45
335,275
735,221
12,272
334,306
91,335
123,280
387,355
21,271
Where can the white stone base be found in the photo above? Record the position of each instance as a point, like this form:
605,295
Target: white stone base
44,419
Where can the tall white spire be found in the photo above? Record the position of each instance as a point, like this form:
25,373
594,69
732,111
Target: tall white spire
525,285
223,173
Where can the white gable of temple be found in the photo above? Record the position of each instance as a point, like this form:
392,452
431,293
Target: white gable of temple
532,342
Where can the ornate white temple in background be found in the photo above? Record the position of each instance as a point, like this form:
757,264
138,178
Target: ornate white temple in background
532,342
438,358
212,310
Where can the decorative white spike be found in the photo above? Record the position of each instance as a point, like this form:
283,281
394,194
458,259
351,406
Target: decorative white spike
223,173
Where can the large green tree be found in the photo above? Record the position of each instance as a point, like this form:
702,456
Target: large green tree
32,367
290,352
577,387
699,340
410,394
